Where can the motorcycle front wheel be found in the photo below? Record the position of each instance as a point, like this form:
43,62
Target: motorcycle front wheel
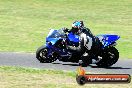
43,57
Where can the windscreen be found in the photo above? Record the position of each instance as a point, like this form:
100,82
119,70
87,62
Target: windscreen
56,34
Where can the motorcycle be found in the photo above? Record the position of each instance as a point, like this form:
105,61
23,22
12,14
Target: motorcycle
103,52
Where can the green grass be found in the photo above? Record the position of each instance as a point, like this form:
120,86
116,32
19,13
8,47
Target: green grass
36,71
24,24
18,77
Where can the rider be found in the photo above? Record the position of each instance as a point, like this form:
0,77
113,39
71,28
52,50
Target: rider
85,42
79,29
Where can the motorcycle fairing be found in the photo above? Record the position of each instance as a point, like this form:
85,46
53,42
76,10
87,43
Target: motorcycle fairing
54,36
108,39
62,52
72,37
52,40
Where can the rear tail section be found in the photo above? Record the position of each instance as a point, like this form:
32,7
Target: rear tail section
108,39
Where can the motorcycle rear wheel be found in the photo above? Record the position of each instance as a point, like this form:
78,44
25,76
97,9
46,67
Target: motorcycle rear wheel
109,57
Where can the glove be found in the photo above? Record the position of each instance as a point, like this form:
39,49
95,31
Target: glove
65,30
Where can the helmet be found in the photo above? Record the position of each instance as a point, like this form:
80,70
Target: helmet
77,25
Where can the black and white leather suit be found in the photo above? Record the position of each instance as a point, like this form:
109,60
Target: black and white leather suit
85,44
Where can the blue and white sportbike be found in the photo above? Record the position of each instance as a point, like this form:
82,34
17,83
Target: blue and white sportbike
102,51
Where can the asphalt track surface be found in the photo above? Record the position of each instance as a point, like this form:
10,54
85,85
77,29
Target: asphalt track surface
29,60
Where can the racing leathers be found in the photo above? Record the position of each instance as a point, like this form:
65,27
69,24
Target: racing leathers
86,40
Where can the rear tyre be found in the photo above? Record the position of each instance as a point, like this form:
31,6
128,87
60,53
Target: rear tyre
109,57
43,57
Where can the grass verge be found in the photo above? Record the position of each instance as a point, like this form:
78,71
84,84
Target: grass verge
14,77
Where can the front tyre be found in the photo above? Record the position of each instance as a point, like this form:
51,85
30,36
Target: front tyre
42,55
110,56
